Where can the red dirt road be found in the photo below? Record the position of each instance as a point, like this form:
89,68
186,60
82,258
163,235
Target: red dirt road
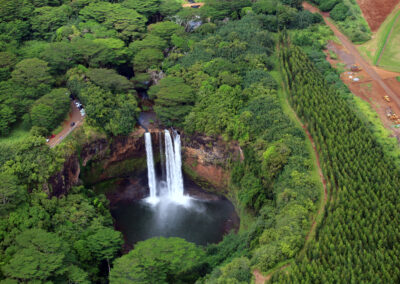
376,11
74,116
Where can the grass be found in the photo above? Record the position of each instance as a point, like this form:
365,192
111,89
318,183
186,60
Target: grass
373,48
398,78
390,58
17,134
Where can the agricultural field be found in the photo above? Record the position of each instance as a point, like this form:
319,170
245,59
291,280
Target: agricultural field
390,56
382,50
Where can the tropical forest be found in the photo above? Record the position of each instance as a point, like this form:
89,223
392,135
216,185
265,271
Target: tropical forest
199,141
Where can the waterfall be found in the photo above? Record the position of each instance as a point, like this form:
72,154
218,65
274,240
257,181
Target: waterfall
162,157
173,166
171,188
150,169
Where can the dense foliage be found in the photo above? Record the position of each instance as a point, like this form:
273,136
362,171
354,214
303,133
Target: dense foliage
213,70
160,260
359,237
347,15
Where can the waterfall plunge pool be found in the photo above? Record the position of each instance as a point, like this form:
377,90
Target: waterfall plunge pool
202,222
173,206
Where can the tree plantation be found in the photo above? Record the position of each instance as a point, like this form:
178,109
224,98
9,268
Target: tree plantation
104,104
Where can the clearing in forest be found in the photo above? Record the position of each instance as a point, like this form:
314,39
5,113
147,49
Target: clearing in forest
383,49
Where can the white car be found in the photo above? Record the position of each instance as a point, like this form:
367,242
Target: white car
83,112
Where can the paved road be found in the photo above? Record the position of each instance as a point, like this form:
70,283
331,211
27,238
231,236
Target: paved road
74,116
354,51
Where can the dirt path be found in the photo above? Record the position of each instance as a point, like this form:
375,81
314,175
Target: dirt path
261,279
74,116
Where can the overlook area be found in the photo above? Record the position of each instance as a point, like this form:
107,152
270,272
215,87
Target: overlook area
207,142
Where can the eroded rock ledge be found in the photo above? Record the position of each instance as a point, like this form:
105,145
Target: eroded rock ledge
205,160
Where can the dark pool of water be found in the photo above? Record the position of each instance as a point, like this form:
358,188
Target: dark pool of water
202,222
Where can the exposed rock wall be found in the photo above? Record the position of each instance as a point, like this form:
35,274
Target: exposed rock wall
204,158
62,181
207,158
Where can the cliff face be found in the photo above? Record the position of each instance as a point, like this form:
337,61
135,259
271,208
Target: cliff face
204,158
62,181
100,160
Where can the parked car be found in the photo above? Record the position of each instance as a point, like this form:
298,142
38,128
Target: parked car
47,140
72,124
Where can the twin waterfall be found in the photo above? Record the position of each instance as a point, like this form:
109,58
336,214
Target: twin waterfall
172,187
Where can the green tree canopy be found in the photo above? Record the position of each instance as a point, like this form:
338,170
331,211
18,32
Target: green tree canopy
37,255
165,30
174,100
144,7
127,22
115,113
169,7
32,73
11,192
159,260
149,41
147,59
51,109
7,62
46,20
109,79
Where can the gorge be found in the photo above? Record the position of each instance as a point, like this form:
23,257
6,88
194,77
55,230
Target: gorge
168,210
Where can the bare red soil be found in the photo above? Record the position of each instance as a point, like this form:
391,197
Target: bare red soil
376,11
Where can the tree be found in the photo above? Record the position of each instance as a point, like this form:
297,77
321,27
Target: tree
33,73
61,56
147,59
38,255
7,62
105,244
127,22
173,100
149,41
7,118
116,114
237,271
33,162
11,193
109,79
340,12
165,30
144,7
46,20
51,109
169,7
159,260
